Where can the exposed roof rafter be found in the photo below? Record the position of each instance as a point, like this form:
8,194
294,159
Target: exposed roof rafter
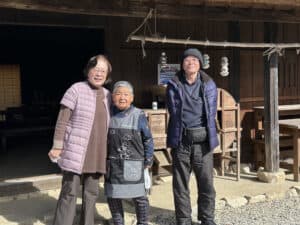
265,10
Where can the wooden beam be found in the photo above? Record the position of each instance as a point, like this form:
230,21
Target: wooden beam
164,8
91,7
34,18
266,4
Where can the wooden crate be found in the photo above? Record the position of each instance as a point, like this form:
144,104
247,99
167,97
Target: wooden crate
158,124
158,120
160,141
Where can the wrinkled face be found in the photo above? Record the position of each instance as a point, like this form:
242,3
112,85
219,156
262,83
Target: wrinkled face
122,98
97,75
191,65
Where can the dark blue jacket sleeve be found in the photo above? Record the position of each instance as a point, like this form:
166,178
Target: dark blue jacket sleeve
147,139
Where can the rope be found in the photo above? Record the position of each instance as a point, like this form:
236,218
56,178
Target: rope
272,50
187,40
143,48
149,15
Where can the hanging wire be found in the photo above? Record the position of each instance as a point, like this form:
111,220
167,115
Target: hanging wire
149,15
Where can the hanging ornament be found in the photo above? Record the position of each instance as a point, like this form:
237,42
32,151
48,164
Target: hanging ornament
163,59
224,67
205,61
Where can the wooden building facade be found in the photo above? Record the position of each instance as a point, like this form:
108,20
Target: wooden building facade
112,22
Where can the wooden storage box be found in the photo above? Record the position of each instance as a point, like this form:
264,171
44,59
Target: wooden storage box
160,141
158,120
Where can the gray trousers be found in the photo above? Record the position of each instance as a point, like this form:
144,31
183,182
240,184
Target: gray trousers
66,205
187,158
141,209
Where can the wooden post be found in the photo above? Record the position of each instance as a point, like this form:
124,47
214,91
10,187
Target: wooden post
234,78
271,115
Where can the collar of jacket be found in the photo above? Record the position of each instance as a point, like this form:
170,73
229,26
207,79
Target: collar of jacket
176,79
122,113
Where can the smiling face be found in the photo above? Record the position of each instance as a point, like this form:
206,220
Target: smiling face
122,98
191,65
98,74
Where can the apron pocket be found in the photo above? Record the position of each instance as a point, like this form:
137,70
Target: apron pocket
133,170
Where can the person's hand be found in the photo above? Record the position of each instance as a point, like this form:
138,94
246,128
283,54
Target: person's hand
147,167
54,153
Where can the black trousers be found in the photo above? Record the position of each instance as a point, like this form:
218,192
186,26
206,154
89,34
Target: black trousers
141,209
195,157
66,205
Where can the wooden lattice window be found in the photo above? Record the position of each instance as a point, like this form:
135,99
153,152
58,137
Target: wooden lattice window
10,86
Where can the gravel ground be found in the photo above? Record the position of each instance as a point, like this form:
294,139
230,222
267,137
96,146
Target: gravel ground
277,212
285,211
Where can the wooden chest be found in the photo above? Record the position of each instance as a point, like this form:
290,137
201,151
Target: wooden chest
158,125
158,120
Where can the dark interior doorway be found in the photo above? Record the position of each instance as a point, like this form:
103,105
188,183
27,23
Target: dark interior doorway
50,59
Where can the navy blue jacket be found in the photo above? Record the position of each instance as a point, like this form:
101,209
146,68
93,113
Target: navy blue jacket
174,104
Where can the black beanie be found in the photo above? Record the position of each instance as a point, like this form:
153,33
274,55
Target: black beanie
193,52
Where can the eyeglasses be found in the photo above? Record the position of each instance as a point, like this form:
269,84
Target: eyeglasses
99,70
124,94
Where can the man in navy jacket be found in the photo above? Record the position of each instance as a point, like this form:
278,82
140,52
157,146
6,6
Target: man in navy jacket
192,135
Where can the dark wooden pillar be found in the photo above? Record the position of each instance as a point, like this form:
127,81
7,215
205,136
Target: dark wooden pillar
271,102
234,77
271,115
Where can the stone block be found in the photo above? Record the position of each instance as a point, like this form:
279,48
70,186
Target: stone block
275,196
291,193
271,177
235,202
255,199
245,168
297,188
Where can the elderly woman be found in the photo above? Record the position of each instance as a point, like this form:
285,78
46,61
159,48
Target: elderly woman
80,141
130,150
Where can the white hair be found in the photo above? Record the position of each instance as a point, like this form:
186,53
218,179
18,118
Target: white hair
123,84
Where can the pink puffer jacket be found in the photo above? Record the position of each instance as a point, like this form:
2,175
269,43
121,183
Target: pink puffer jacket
81,99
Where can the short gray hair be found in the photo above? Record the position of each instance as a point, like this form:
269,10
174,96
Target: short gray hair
123,83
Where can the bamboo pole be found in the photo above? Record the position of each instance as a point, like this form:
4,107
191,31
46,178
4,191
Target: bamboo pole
213,43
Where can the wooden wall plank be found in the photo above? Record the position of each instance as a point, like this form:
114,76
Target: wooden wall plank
246,82
258,73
